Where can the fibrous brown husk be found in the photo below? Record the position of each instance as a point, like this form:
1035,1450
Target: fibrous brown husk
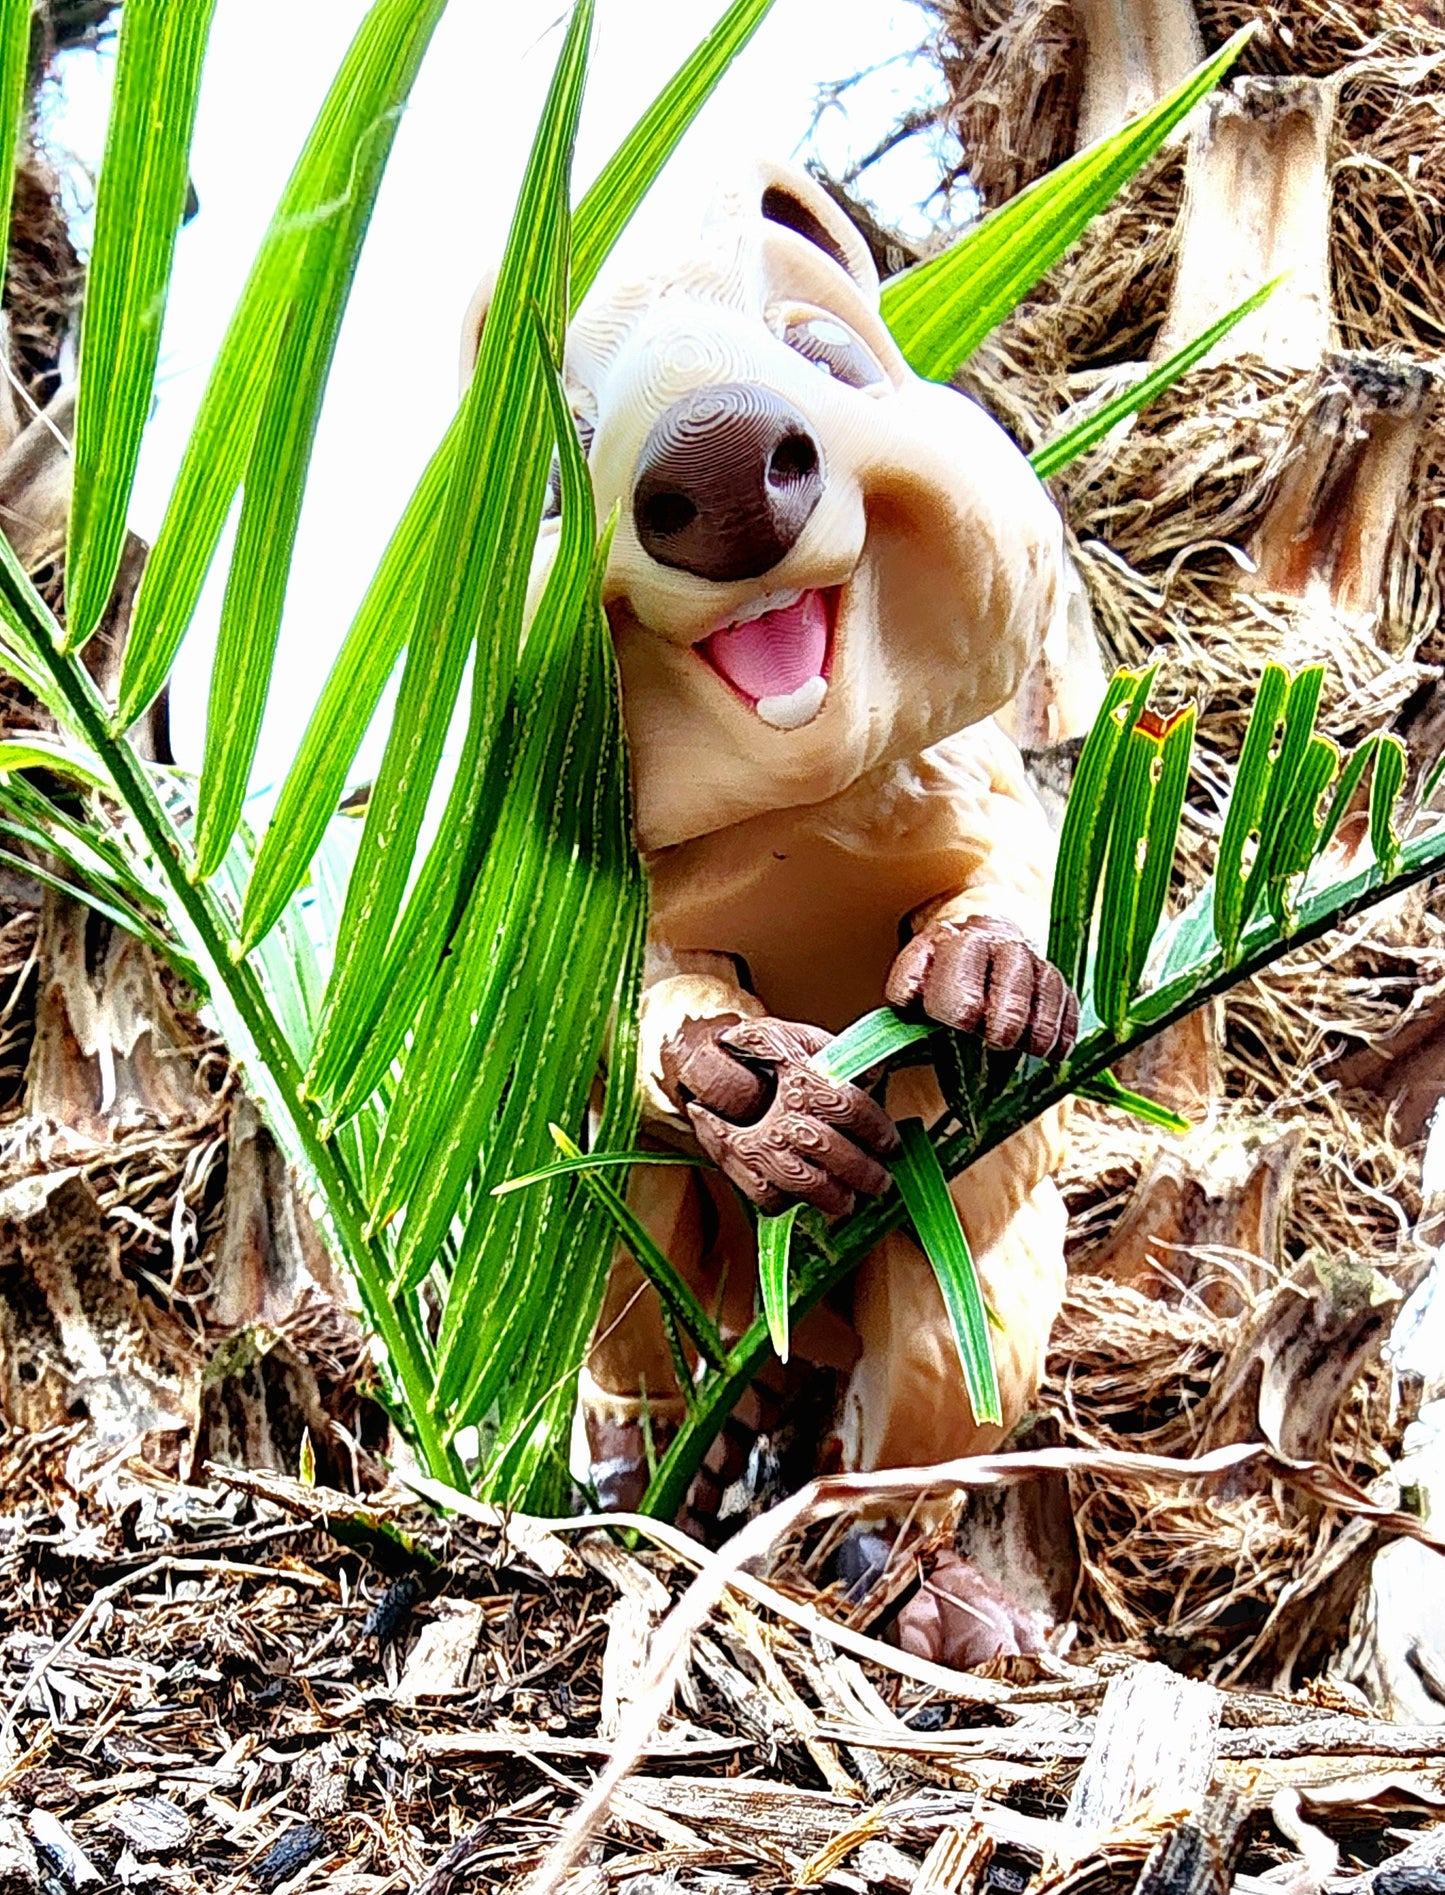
43,277
1101,306
1285,503
1014,74
1315,37
1388,212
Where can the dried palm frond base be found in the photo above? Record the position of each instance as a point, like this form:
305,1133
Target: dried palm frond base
1238,1284
1315,36
159,1273
250,1684
1014,74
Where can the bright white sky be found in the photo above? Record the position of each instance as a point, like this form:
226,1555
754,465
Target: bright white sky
441,217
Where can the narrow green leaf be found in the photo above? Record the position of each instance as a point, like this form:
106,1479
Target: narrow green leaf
1389,779
105,902
1087,816
525,1293
775,1239
532,871
628,175
1300,837
654,1265
1251,785
384,623
370,653
598,1161
97,844
476,577
1345,791
304,268
876,1037
540,1029
1275,819
1055,455
961,1066
14,59
924,1190
1176,754
274,482
40,753
941,310
1133,800
1105,1089
140,205
1431,783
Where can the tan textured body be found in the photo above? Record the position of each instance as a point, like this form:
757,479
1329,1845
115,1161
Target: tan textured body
790,855
813,903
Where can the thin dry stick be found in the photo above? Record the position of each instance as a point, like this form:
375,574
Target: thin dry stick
839,1491
959,1684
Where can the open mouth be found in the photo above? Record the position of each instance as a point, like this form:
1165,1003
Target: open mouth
777,653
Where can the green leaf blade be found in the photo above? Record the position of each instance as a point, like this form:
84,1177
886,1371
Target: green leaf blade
1246,804
941,310
775,1240
1124,870
924,1190
14,60
1087,816
1105,1089
1166,811
353,689
629,173
876,1037
379,634
335,178
140,206
476,577
1390,766
1055,455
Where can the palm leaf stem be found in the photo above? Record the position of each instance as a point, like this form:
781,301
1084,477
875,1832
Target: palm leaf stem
823,1257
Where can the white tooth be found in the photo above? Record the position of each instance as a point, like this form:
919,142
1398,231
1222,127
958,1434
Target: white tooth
765,602
797,708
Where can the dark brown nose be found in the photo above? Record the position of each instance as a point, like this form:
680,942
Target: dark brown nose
726,481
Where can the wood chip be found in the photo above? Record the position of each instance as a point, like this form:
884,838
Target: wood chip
1153,1751
152,1825
440,1663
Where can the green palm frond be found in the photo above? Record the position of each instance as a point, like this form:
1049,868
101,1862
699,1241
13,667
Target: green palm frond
415,1021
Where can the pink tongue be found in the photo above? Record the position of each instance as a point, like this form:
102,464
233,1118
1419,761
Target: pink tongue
773,655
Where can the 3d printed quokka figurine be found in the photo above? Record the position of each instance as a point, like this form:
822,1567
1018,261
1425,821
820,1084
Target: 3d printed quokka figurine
827,576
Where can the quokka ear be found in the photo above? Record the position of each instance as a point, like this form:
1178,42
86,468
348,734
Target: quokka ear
800,204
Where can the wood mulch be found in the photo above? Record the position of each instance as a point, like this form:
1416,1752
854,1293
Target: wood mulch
250,1684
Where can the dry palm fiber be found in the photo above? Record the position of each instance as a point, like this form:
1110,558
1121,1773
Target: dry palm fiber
43,278
1152,1364
1280,506
1101,306
1014,74
1388,214
1316,37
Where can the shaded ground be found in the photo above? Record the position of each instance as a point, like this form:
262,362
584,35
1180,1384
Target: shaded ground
207,1688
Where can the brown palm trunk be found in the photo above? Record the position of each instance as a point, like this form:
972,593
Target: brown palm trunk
1282,503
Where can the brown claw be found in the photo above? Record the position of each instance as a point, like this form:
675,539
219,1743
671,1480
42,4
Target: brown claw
983,976
801,1137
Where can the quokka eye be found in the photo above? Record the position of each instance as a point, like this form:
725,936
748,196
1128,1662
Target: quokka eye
834,348
552,505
